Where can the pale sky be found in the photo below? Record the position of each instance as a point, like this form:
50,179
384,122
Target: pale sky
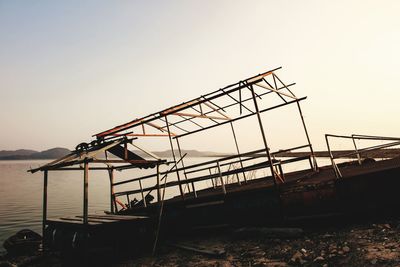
71,69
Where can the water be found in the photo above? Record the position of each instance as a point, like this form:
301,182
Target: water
21,196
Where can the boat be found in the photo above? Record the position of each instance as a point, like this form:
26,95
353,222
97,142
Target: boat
252,187
23,242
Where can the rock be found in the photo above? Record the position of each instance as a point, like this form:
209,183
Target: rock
303,251
327,236
297,257
346,249
325,265
319,259
374,261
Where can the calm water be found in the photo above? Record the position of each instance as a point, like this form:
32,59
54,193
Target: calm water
21,196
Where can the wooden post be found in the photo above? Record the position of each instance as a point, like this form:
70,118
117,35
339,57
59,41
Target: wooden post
85,193
45,177
111,176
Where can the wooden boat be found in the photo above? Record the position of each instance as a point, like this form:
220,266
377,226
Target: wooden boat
243,188
23,242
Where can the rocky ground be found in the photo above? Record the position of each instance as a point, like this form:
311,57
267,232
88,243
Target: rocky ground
370,244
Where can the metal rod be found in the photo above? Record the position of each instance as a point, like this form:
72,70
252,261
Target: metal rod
177,108
44,219
238,152
240,118
141,192
129,201
263,134
183,165
85,193
158,184
239,102
194,190
112,202
173,155
358,154
335,168
212,180
308,137
221,179
230,105
160,216
212,176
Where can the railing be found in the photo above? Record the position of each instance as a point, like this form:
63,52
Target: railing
234,166
358,151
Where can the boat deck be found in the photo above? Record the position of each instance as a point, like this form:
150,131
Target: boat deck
97,220
302,178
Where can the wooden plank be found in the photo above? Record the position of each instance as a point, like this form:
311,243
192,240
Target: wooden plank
117,217
211,203
211,252
70,222
97,220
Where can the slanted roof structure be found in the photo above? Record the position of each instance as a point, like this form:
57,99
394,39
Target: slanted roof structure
219,107
96,152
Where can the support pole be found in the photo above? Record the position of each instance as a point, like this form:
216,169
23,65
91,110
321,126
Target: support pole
112,202
315,167
45,177
141,192
263,133
358,153
183,166
85,193
173,156
237,149
158,184
221,178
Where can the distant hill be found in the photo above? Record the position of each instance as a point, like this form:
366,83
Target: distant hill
20,154
58,152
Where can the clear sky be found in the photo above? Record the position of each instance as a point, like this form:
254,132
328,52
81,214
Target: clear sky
69,69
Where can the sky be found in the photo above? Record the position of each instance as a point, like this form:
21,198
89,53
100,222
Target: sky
70,69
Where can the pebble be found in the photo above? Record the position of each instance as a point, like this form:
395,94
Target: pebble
374,261
318,259
346,249
297,257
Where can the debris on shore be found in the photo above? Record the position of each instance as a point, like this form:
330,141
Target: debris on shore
368,244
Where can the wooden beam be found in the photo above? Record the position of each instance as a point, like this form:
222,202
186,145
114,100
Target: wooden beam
200,116
45,177
85,193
